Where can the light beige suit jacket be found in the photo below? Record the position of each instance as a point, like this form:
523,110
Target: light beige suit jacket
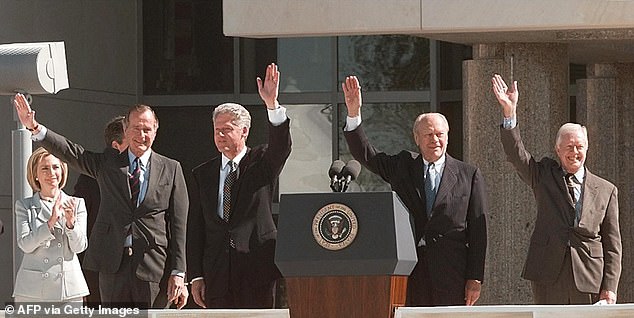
50,270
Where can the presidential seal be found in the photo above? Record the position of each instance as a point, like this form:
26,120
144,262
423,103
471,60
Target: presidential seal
335,226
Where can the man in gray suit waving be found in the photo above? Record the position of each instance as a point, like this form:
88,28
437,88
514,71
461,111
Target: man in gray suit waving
574,256
138,241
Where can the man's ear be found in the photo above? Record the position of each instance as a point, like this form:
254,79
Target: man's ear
245,132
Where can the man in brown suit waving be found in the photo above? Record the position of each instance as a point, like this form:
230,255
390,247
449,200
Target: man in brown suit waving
574,255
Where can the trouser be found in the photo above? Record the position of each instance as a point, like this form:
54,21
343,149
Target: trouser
562,291
125,289
421,290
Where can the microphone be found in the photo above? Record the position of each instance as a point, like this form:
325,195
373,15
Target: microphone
349,173
334,173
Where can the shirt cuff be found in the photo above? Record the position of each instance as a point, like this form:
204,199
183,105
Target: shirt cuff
178,273
352,123
277,116
509,123
40,135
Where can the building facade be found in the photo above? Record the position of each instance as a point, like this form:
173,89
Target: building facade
573,60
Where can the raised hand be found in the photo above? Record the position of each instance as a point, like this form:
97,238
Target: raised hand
505,96
69,208
352,94
25,113
56,212
269,89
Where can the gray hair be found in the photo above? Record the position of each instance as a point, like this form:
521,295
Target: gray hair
571,128
426,116
241,116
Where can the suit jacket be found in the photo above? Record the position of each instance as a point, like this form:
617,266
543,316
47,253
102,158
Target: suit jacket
456,234
50,269
594,244
87,188
251,225
158,223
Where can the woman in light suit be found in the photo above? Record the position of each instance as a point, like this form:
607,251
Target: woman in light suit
51,230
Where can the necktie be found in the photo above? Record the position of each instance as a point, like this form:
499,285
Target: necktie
430,187
226,192
572,184
135,181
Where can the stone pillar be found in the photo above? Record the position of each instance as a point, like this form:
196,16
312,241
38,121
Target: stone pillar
596,109
541,70
605,104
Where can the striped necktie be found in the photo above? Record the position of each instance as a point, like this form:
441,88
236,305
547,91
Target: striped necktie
135,181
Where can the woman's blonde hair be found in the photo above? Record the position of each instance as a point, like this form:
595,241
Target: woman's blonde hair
31,169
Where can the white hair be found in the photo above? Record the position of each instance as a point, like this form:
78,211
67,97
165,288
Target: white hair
571,128
241,116
428,116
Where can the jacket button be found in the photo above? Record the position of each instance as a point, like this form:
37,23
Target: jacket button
60,275
45,260
59,245
44,275
60,260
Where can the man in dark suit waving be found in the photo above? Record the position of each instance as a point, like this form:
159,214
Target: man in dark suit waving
231,233
446,197
138,241
574,256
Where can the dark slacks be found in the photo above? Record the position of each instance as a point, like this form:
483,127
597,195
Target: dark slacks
125,289
563,291
241,292
422,292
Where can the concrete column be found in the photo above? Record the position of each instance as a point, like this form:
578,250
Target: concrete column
605,104
541,70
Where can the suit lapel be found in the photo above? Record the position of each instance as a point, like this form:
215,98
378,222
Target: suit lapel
589,194
416,170
448,180
561,183
41,212
124,177
44,212
214,188
243,167
156,168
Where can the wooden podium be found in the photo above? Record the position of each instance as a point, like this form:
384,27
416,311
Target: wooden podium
344,254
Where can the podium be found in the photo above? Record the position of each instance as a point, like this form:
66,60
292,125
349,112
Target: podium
344,254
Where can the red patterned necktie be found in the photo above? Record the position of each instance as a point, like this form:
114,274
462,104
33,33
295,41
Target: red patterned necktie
135,181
